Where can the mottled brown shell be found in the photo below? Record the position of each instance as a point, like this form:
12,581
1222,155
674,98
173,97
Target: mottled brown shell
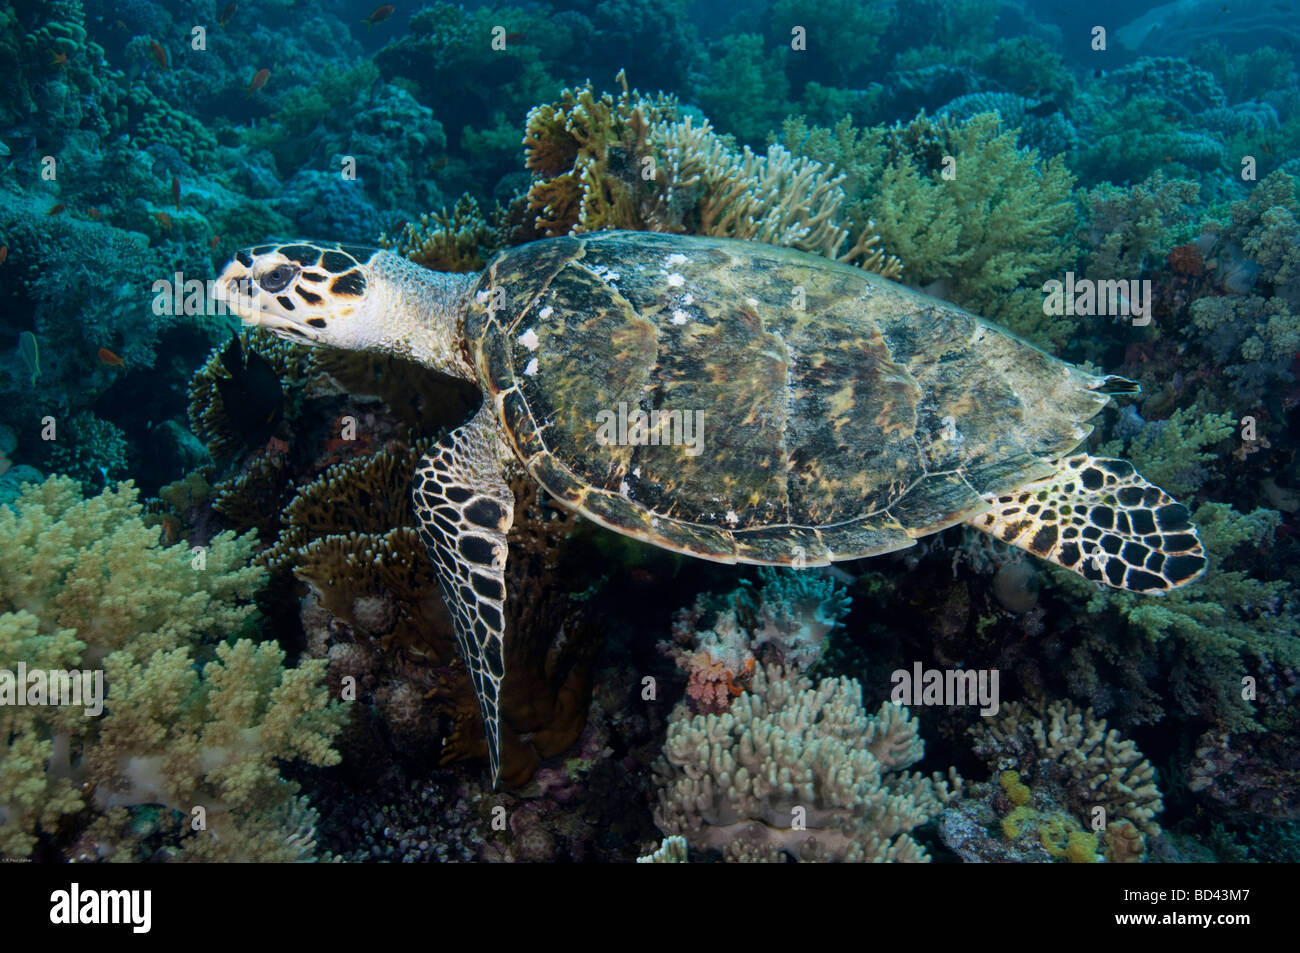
843,414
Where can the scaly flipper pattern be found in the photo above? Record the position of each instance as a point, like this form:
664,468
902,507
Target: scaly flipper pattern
1100,519
464,508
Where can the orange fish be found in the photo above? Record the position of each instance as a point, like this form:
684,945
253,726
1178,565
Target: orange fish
227,13
4,253
379,14
56,210
108,357
515,38
94,213
164,220
176,192
216,240
259,80
60,60
159,54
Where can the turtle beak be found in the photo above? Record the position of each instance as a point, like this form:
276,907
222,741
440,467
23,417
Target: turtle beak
238,290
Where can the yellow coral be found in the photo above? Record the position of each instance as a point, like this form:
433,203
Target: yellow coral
1017,791
1082,848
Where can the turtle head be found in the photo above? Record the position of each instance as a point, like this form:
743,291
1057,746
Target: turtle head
349,296
304,291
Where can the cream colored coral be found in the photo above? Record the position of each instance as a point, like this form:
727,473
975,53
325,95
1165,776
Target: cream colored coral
1094,766
95,590
93,566
797,770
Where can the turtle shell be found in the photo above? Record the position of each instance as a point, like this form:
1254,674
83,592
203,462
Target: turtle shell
748,403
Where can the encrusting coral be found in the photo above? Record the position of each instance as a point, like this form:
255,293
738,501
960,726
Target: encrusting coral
797,771
190,719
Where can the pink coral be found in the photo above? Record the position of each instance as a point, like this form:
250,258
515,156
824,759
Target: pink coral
710,684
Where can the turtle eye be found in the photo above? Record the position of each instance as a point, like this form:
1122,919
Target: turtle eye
277,278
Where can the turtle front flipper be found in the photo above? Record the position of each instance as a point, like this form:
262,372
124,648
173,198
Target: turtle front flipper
1100,519
464,508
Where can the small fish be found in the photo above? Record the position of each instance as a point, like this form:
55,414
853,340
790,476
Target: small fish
108,357
259,80
60,60
227,13
439,163
164,220
159,54
121,25
176,192
31,354
1045,108
515,38
56,210
216,240
379,14
4,253
94,213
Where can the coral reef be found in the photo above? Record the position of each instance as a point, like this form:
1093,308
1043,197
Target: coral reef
984,235
783,622
796,771
1073,756
189,719
601,162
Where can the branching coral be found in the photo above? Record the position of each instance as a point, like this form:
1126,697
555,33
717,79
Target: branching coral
601,162
796,771
985,235
1072,754
747,92
96,590
1128,230
1172,453
459,240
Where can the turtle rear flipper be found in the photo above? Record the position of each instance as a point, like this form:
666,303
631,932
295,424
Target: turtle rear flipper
465,508
1100,519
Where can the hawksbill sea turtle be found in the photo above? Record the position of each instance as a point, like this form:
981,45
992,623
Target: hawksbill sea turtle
840,414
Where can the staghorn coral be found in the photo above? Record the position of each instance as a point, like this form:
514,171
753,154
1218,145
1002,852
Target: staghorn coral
1072,755
797,771
189,719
